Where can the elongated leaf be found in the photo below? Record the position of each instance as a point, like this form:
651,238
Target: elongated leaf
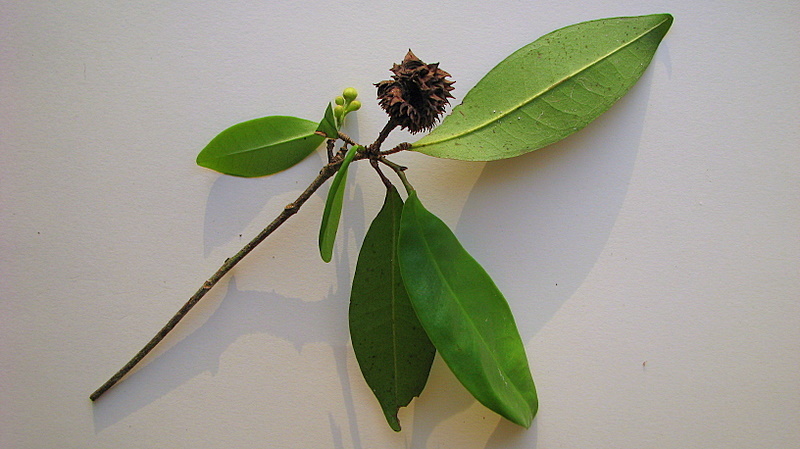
392,348
260,147
465,315
333,207
328,125
548,89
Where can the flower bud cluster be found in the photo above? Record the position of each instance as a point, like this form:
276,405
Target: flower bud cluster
345,104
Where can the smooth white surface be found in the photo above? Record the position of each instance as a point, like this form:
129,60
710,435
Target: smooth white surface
652,260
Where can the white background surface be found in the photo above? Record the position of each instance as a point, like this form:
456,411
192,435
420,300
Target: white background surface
652,260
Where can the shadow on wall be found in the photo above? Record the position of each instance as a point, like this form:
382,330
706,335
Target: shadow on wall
240,313
233,202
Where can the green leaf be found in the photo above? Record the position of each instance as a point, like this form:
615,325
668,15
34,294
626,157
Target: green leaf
333,207
465,315
392,348
548,89
260,147
328,124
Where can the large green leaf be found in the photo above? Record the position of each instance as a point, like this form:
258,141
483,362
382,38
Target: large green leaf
465,315
260,147
333,207
392,348
548,89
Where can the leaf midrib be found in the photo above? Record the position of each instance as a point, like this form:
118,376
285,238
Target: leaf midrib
544,91
395,233
501,368
247,150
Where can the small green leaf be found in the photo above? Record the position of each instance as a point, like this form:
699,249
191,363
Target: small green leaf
392,348
333,207
465,315
328,124
260,147
548,89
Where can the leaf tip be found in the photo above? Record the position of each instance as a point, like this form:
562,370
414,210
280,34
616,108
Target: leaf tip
325,246
391,418
326,255
667,17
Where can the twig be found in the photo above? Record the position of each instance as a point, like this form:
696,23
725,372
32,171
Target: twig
329,149
400,170
400,147
346,138
291,209
387,129
384,179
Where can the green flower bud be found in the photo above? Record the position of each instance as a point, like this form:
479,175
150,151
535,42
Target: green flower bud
339,100
338,111
353,106
350,94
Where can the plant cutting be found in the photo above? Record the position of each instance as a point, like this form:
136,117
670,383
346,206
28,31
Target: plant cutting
416,291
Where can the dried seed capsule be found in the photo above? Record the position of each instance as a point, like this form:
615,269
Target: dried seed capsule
416,95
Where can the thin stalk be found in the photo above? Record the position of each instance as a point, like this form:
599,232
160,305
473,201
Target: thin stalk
400,170
329,149
291,209
400,147
346,138
384,179
387,129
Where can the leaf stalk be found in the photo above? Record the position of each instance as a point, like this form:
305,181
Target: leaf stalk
400,171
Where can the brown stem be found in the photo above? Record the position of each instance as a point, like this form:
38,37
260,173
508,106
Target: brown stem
291,209
400,147
376,146
384,179
346,138
400,171
329,149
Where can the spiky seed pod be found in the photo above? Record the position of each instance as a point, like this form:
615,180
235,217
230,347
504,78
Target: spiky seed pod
416,95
